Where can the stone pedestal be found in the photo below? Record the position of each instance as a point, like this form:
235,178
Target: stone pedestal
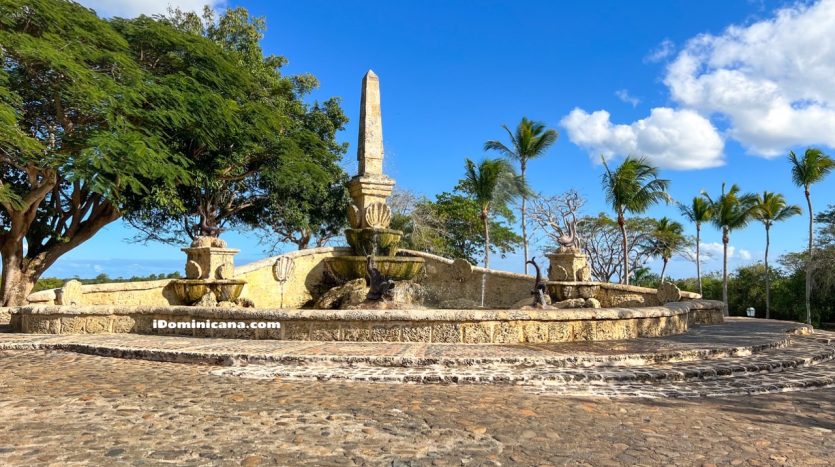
369,194
209,258
568,265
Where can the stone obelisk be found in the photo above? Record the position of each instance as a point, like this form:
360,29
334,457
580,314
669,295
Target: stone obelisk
370,187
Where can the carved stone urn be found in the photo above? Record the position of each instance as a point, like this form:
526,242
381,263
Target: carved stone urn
210,269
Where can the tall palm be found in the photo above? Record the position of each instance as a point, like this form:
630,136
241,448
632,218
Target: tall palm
698,212
771,208
731,211
493,184
812,168
668,238
632,188
529,141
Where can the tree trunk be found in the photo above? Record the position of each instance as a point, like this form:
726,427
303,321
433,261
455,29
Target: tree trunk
485,221
809,261
725,240
698,258
524,223
17,281
664,268
622,224
767,283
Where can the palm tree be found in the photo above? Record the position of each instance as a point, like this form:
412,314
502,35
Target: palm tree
633,187
668,238
814,166
530,141
697,212
492,183
731,211
771,208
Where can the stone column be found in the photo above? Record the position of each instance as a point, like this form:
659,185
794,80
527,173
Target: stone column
370,188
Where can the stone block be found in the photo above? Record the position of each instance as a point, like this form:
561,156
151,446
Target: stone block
97,325
416,333
390,333
72,325
324,331
356,331
626,300
507,332
42,324
535,332
296,330
478,333
446,332
123,324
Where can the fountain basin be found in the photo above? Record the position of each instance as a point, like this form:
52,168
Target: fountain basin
224,290
397,268
377,242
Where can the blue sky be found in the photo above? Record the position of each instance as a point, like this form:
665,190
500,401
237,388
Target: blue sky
711,91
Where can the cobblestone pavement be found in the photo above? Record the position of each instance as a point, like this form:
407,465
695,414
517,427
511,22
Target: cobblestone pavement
68,408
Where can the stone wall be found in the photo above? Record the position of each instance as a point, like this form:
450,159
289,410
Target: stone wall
450,284
612,295
443,326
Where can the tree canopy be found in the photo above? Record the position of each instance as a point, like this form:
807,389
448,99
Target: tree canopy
80,139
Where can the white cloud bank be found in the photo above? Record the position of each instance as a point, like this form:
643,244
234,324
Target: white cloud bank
134,8
772,81
676,139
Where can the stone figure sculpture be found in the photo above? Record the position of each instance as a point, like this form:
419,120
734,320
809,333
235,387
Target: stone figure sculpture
539,288
379,286
569,238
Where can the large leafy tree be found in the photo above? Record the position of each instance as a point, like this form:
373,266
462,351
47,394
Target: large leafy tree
80,135
732,210
632,188
813,167
261,156
492,184
530,141
698,212
771,208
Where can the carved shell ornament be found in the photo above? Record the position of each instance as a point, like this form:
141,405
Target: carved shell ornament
378,215
354,216
283,268
193,270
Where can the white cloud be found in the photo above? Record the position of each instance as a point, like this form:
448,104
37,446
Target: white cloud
771,83
134,8
660,52
745,255
624,96
774,80
669,138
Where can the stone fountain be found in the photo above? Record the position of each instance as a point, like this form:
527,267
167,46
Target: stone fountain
210,272
369,216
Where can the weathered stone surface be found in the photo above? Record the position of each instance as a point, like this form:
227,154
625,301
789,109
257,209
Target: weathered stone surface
351,293
458,304
445,332
627,300
668,292
70,294
528,302
570,303
592,303
207,300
